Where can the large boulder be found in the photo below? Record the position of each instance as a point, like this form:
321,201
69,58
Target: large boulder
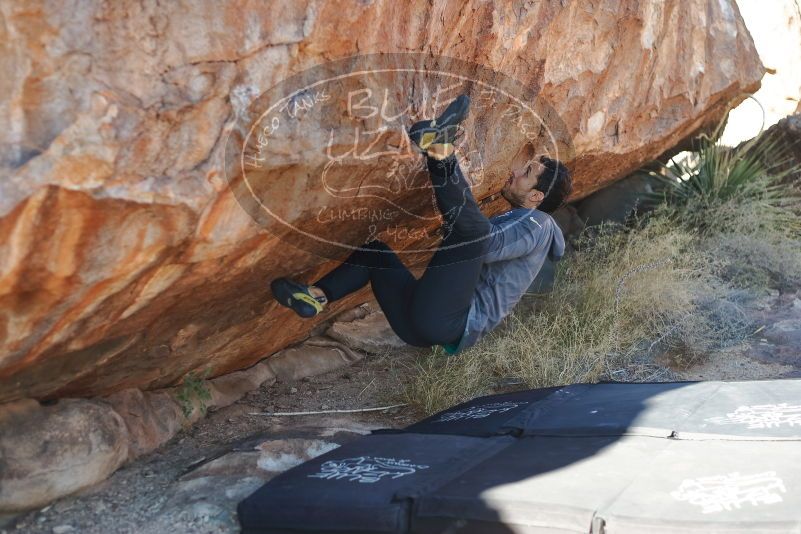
126,260
50,451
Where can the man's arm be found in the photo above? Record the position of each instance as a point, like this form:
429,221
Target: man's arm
520,236
512,239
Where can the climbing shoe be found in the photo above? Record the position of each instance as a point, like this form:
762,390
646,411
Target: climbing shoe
296,296
435,137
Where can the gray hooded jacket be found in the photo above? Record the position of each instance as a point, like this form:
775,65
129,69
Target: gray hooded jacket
520,240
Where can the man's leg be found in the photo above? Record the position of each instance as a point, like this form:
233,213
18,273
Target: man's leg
433,309
442,296
455,199
391,282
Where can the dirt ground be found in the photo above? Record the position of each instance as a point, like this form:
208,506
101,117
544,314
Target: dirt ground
193,483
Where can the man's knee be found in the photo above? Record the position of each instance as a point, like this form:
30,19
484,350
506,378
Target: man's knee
429,330
432,326
434,335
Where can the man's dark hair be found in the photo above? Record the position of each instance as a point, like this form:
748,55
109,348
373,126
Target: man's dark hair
555,182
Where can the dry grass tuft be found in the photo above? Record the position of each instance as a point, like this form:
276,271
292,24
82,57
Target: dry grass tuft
756,252
622,293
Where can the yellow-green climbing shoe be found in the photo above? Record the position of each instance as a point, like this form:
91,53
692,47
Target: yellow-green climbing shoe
296,296
443,129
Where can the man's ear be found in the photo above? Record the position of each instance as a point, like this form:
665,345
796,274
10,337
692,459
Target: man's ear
535,196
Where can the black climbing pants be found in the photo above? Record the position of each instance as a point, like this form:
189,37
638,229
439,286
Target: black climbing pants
431,310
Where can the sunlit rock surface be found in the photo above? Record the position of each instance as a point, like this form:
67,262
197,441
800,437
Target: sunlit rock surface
125,259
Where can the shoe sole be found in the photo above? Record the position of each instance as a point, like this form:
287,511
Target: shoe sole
439,129
455,113
283,293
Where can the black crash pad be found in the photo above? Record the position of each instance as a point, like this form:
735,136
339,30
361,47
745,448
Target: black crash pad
686,410
623,485
601,458
484,416
613,409
713,486
759,410
539,484
363,486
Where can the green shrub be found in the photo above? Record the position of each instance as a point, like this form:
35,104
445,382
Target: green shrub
192,392
707,189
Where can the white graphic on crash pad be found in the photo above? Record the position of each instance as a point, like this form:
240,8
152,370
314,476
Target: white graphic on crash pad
761,416
729,492
479,412
366,469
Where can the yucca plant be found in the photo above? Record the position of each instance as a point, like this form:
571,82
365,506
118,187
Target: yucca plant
714,176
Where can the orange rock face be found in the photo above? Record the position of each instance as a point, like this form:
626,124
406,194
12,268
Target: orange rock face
126,257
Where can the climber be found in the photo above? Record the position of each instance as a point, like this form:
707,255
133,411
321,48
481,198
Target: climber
480,269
